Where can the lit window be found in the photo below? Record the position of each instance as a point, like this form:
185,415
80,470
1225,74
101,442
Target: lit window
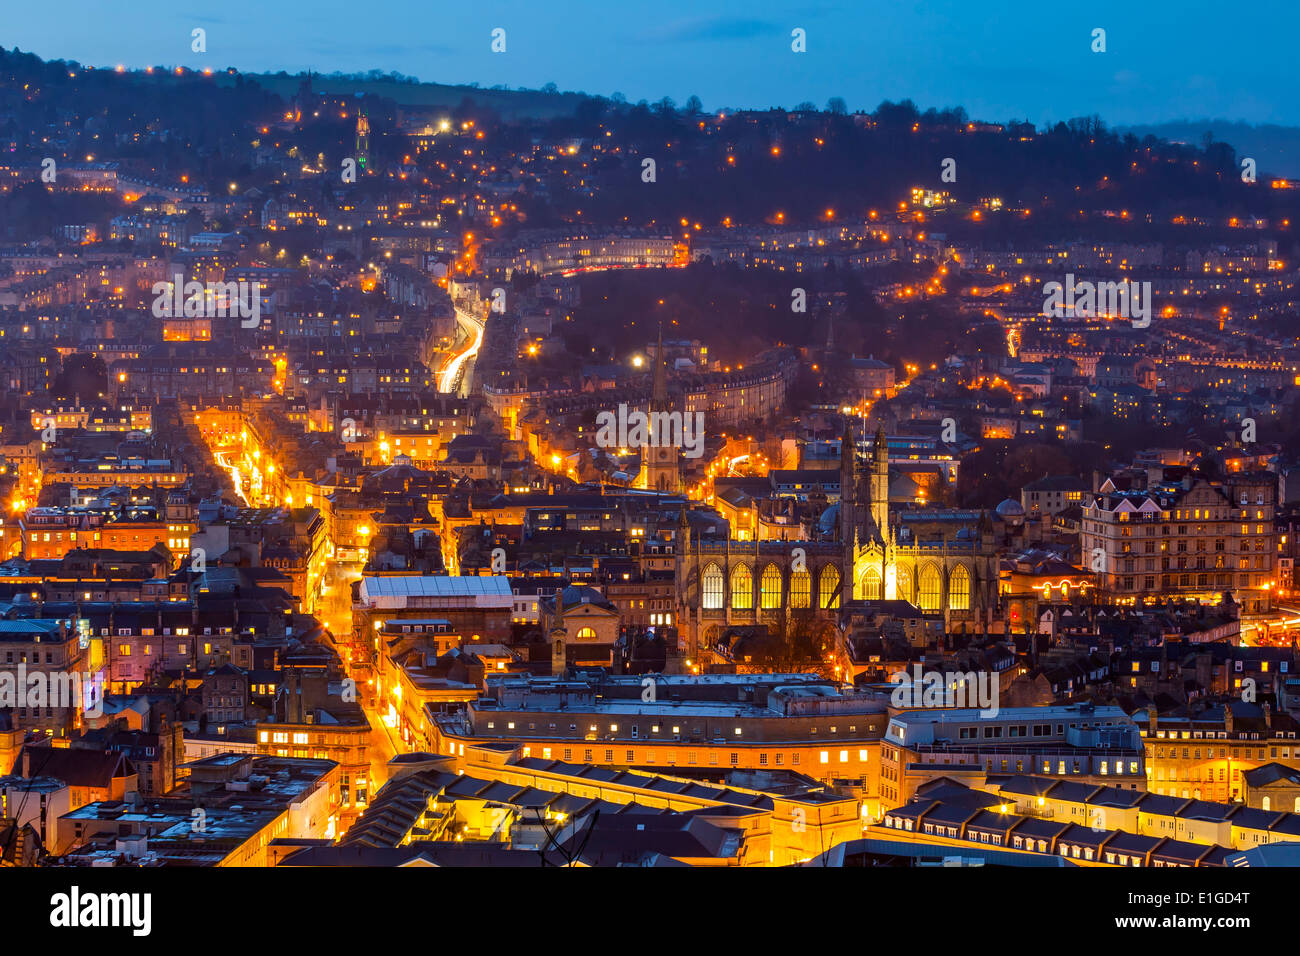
712,588
770,588
742,588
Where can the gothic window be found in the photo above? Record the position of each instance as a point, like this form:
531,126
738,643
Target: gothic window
770,588
959,589
800,589
872,588
903,582
829,587
929,599
742,588
712,587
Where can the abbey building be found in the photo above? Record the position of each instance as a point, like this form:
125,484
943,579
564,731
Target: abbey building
943,561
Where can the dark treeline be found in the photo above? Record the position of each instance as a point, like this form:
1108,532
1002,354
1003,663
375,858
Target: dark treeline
710,168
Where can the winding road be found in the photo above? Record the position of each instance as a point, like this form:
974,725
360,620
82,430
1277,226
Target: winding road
458,366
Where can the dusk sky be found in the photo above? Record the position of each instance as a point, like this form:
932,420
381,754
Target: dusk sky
1026,60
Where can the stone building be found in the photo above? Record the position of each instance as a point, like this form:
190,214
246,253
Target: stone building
942,561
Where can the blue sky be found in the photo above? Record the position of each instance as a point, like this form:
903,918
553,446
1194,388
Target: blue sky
1001,59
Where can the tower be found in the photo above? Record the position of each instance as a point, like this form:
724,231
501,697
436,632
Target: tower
848,483
661,467
880,481
305,99
559,650
363,139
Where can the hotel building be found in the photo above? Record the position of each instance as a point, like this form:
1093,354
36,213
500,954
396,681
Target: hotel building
1195,540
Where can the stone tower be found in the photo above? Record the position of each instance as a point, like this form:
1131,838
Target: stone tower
880,482
661,465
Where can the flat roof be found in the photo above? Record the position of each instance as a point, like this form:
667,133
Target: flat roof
1049,713
394,591
663,709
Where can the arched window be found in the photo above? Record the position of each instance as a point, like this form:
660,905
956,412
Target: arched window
871,585
742,588
1266,804
800,589
903,583
586,633
959,589
929,588
712,588
829,587
770,588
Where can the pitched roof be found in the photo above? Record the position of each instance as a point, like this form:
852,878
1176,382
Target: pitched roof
76,768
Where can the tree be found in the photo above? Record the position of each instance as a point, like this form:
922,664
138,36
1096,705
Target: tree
797,641
83,375
1209,467
889,114
837,105
567,848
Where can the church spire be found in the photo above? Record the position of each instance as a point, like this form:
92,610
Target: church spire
659,395
660,462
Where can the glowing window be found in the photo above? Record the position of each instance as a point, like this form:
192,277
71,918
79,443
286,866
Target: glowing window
872,587
742,588
712,587
800,589
829,587
770,588
929,598
959,589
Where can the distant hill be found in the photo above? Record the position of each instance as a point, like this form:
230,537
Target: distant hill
509,104
1275,149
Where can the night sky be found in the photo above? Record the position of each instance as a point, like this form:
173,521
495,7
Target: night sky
1000,60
